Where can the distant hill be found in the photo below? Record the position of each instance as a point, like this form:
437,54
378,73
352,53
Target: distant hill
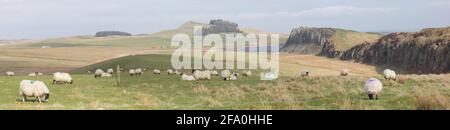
111,33
329,42
427,51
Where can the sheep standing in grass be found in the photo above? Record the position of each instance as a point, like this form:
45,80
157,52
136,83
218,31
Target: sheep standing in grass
389,74
132,72
139,72
304,73
40,74
186,77
170,72
225,74
270,76
110,71
62,78
233,76
373,87
214,73
202,75
177,72
32,74
106,75
156,71
10,73
345,72
30,88
247,73
98,73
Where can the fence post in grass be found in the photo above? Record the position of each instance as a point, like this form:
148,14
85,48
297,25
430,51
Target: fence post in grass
118,74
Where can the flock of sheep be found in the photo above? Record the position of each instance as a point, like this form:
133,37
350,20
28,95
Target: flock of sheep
39,90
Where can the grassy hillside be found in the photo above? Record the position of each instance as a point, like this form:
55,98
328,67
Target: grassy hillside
345,39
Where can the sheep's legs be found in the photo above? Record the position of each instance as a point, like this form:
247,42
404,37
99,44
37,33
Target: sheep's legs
376,97
24,99
370,96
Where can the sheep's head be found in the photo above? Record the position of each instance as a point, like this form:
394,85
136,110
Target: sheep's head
46,97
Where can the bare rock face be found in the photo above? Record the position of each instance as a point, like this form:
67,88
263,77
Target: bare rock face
305,40
427,51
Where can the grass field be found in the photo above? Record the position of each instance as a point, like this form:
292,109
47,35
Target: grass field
321,91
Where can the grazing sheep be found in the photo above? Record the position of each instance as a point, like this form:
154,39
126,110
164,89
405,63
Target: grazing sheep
304,73
30,88
106,75
10,73
32,74
170,72
177,72
234,76
132,72
214,73
389,74
225,74
62,78
40,74
98,73
247,73
186,77
156,71
202,75
139,72
89,72
373,87
345,72
110,71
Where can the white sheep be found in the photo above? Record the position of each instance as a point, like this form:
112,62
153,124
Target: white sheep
106,75
373,87
389,74
225,74
345,72
270,76
30,88
98,73
62,78
32,74
177,72
156,71
132,72
170,72
202,75
187,77
139,72
247,73
234,76
304,73
10,73
40,74
110,71
214,73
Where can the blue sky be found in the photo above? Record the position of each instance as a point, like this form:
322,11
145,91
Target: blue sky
56,18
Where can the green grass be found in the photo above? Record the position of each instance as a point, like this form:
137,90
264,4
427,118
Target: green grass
346,39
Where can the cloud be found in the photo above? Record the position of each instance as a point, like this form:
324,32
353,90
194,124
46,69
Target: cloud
440,3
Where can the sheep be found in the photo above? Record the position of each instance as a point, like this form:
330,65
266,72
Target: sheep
270,76
202,75
30,88
139,72
187,77
389,74
60,77
89,72
40,74
156,71
110,71
373,87
10,73
247,73
32,74
177,72
98,73
170,72
214,73
345,72
132,72
233,76
304,73
225,74
106,75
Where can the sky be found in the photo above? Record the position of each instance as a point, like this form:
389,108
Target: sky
38,19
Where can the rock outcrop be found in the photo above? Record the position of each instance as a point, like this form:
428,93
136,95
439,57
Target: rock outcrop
330,42
427,51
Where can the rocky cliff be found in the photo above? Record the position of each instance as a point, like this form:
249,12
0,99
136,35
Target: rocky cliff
330,42
427,51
